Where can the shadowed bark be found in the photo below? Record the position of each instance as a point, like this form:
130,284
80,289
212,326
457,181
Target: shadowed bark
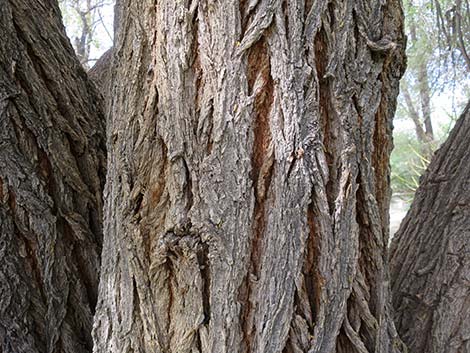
430,255
100,73
52,166
248,193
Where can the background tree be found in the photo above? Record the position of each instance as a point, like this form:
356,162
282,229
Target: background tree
430,254
420,54
434,88
52,166
437,60
82,17
247,195
453,22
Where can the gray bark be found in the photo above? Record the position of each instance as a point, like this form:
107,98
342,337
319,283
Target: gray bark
247,192
430,255
52,166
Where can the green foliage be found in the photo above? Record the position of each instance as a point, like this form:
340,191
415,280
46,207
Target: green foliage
437,71
433,41
410,159
433,46
408,163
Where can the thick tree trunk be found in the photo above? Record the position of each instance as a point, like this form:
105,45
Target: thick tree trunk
430,255
247,195
52,165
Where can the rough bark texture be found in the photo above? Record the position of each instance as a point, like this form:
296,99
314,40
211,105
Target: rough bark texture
247,194
100,73
430,255
52,166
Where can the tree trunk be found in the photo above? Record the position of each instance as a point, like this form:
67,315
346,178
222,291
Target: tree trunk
430,255
52,166
413,113
425,97
247,196
100,73
87,27
424,94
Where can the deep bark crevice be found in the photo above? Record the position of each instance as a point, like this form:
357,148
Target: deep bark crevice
326,112
313,279
260,84
204,266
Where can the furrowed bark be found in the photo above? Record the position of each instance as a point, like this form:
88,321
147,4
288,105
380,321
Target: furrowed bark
430,254
52,166
247,195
